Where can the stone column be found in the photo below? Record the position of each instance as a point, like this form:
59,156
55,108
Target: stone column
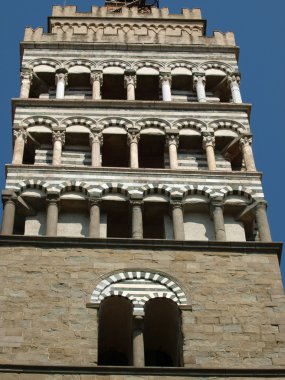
20,138
130,84
26,82
61,82
262,221
218,216
58,138
133,141
94,224
138,341
209,147
177,220
137,219
199,85
245,145
172,141
96,79
165,84
234,81
9,202
96,141
52,214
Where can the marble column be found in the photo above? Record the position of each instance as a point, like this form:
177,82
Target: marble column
234,81
96,141
209,147
199,85
218,217
262,221
58,138
133,141
172,141
130,81
26,82
9,210
96,79
61,82
52,214
94,223
245,145
177,220
137,219
20,138
165,84
138,341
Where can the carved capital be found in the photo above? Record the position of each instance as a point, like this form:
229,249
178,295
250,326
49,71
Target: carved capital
217,203
58,136
130,79
199,78
234,78
9,196
208,140
96,76
245,141
176,204
172,139
165,77
94,202
53,198
261,205
136,203
61,76
133,137
26,74
96,137
20,133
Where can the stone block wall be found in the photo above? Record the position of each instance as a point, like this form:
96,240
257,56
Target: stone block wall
238,305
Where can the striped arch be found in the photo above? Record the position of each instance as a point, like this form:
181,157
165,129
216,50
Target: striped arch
153,123
156,189
78,120
226,68
115,188
196,190
148,63
45,62
139,287
181,63
115,122
227,124
239,190
190,123
76,186
78,62
113,63
31,184
47,121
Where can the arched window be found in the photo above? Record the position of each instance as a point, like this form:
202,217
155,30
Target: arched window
115,332
162,333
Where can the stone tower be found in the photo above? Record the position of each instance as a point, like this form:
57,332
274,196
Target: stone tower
135,241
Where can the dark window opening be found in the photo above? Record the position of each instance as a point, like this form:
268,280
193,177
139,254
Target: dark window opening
182,88
147,87
153,220
217,88
113,87
151,151
117,219
115,151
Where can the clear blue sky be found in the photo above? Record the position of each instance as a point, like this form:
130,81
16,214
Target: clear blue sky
260,31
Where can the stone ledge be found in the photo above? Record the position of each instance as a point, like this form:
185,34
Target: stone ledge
152,371
85,242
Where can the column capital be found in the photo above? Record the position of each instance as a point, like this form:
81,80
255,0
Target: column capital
261,204
217,202
208,140
172,139
96,75
245,141
234,78
17,133
133,136
130,78
27,74
58,136
165,76
9,196
94,201
53,198
137,202
199,77
96,137
175,203
61,75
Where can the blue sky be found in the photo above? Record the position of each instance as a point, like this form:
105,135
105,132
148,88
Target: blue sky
260,30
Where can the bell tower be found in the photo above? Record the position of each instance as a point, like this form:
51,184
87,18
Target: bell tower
135,241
